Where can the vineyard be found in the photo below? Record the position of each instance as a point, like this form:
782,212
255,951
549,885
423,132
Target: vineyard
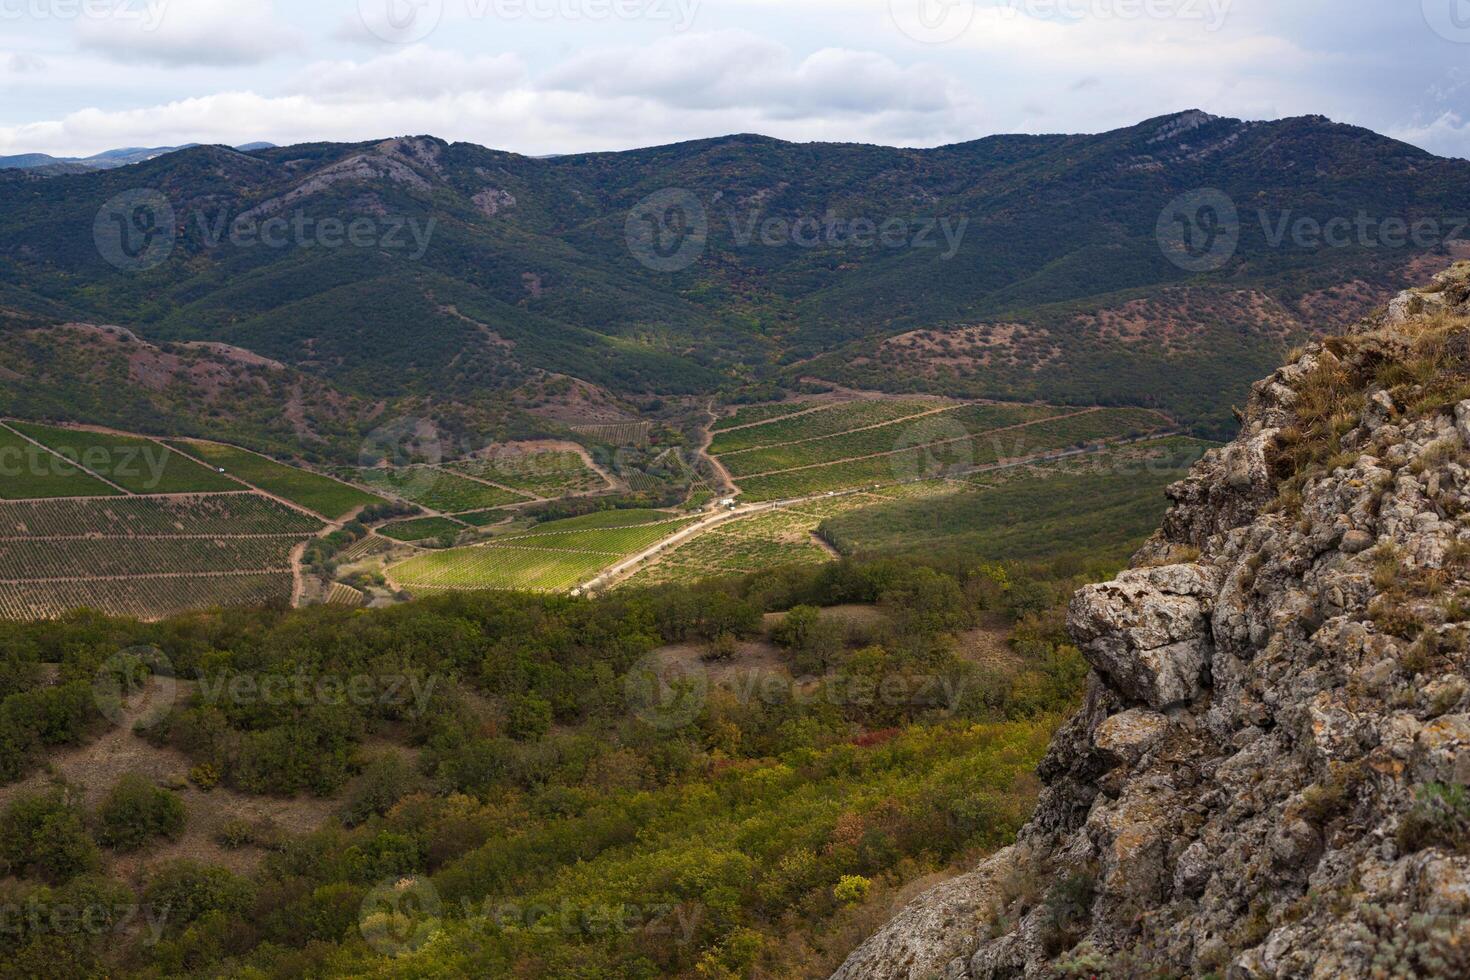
438,489
421,529
954,424
752,414
938,445
319,494
136,464
838,418
146,556
617,433
28,471
144,597
752,544
554,557
545,474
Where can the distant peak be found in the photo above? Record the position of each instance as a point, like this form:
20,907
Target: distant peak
1171,127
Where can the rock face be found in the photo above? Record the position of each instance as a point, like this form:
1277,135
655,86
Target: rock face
1268,776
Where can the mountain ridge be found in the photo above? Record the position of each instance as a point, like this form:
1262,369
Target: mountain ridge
535,254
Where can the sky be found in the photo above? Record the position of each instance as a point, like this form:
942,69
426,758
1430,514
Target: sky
558,76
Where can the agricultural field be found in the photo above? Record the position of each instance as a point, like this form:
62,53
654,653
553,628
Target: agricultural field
553,557
955,424
420,529
344,595
617,433
750,544
752,414
438,489
541,473
322,495
138,465
950,455
839,417
147,556
142,596
28,472
1031,512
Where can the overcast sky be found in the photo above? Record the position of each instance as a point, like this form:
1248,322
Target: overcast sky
552,76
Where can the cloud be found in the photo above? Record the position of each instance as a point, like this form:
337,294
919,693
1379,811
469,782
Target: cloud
417,72
684,88
734,69
214,33
1448,135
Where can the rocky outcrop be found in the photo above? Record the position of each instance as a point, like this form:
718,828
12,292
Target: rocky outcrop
1268,776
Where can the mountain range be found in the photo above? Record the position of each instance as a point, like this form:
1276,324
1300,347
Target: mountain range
1163,265
49,166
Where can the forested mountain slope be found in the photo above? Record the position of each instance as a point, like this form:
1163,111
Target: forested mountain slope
1033,262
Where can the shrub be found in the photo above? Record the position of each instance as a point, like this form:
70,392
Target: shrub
136,811
527,716
190,891
385,781
1440,817
852,889
45,836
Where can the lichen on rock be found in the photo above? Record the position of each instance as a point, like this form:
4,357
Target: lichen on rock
1268,777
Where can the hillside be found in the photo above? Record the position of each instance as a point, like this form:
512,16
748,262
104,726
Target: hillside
1268,776
1029,267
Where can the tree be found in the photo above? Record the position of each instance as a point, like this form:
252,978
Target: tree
136,811
45,836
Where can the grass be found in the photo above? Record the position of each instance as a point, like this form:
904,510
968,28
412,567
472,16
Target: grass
438,489
421,529
29,473
322,495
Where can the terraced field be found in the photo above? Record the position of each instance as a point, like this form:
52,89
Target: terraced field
554,557
27,471
319,494
136,464
547,474
438,489
147,556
